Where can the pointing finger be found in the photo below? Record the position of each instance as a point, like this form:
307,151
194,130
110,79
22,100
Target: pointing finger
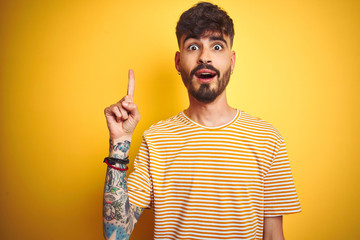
131,84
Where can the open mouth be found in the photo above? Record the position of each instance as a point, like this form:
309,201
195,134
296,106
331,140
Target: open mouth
205,74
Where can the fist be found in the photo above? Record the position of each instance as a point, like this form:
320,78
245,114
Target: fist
123,116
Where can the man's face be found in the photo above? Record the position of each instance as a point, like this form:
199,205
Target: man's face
205,64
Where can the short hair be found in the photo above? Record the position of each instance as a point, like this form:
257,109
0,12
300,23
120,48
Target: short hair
204,17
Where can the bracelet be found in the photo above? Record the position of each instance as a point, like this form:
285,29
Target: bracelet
113,161
120,169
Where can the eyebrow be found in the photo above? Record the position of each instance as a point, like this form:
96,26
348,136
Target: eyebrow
190,36
218,38
212,38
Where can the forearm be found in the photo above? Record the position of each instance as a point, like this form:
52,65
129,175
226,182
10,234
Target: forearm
273,229
119,215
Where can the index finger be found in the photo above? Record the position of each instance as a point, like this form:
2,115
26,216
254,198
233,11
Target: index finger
131,84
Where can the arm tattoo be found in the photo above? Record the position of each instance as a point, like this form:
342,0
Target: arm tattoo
123,147
120,216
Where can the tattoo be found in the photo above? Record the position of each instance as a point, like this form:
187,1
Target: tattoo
110,144
120,216
115,155
137,211
110,228
115,196
120,146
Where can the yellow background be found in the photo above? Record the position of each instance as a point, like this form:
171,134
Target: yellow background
63,62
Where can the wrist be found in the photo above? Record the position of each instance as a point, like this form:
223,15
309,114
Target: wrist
119,148
117,166
120,137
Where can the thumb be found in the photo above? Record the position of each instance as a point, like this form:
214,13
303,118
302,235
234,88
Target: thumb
132,108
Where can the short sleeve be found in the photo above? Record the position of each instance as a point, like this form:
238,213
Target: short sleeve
280,195
139,181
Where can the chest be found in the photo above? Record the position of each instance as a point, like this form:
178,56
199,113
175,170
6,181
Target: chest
208,160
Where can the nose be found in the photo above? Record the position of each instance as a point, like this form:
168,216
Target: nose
204,57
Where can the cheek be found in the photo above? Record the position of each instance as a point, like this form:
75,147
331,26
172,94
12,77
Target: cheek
225,64
188,61
186,67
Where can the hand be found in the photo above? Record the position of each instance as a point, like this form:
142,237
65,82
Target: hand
123,116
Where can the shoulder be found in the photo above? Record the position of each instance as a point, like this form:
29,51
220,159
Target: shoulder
167,126
258,126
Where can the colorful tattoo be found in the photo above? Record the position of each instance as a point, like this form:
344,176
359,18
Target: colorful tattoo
110,228
137,211
120,216
120,146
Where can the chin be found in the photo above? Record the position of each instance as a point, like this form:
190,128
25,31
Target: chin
204,93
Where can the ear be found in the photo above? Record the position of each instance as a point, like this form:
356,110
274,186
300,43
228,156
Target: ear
233,58
177,61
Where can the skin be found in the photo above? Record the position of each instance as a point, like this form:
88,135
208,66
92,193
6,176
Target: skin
214,49
119,215
273,228
205,49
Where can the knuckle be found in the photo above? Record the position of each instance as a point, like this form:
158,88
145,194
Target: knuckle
122,109
107,110
125,114
113,109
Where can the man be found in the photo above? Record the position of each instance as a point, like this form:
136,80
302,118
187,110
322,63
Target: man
210,172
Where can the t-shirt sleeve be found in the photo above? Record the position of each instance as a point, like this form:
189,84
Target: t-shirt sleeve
280,195
139,181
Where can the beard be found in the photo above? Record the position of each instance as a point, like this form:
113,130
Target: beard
206,93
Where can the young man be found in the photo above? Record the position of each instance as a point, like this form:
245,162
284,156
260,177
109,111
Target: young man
210,172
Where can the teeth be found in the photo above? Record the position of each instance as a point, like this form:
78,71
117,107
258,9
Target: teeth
205,75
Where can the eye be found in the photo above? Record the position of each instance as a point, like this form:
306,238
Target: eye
193,47
218,47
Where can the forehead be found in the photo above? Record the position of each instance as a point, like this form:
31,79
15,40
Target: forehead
212,36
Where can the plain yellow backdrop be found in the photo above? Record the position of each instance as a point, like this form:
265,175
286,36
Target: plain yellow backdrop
63,62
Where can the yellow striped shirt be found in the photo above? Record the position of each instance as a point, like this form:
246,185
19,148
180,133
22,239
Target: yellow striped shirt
212,182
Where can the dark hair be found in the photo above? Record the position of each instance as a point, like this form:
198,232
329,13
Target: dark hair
204,17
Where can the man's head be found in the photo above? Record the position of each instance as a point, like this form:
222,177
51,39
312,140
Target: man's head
205,60
203,18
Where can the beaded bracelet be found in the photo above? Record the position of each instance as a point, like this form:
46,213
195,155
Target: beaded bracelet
112,166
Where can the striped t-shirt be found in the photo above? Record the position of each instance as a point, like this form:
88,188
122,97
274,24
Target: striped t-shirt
212,182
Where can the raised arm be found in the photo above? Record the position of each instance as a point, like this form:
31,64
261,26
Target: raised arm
119,215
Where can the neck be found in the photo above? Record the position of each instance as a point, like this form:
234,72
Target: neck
212,114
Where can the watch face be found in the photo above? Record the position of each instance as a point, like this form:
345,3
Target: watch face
109,212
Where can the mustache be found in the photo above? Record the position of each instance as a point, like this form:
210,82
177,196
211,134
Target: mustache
204,66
